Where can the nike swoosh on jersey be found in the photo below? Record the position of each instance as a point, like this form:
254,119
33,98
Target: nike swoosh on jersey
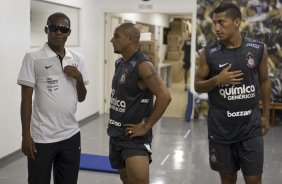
48,66
222,65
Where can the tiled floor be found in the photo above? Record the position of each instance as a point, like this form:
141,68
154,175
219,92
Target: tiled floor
178,103
179,155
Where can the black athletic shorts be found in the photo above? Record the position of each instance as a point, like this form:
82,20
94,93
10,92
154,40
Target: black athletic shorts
122,149
246,155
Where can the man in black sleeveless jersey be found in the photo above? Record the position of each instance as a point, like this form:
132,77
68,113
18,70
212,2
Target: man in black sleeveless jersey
234,73
133,112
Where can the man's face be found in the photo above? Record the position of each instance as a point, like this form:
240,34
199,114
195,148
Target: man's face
120,41
225,26
58,31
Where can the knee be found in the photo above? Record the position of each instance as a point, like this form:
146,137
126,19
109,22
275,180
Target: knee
138,180
228,178
252,179
132,180
124,178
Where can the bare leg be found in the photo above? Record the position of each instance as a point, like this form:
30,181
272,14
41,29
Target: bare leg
228,178
123,176
137,169
252,179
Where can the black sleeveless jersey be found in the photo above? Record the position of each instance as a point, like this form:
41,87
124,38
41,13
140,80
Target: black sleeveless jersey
234,113
129,103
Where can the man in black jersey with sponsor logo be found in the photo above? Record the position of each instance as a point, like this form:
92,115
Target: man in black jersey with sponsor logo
133,112
234,73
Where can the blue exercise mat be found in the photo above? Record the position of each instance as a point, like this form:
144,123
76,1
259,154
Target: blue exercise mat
96,163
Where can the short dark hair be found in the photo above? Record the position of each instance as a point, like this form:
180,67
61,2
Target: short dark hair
58,14
130,29
231,9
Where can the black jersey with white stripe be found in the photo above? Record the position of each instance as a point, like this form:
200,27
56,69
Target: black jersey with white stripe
129,103
234,113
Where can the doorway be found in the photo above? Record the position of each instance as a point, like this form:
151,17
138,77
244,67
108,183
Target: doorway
110,57
178,104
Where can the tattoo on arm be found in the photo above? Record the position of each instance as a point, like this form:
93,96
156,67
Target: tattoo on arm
154,75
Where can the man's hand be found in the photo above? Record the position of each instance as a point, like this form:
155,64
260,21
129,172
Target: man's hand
226,77
264,125
134,130
73,72
28,147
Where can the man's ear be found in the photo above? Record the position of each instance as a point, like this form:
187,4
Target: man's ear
238,22
46,29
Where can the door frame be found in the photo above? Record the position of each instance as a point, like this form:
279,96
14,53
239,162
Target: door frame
110,57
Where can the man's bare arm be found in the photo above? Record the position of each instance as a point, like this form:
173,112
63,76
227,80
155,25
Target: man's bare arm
201,84
264,91
157,86
28,146
152,81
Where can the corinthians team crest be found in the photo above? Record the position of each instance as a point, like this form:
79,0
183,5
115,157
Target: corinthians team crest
250,60
213,157
122,79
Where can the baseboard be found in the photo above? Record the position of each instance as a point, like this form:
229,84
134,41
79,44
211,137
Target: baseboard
11,157
18,153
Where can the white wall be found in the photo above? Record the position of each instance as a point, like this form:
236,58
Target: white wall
15,41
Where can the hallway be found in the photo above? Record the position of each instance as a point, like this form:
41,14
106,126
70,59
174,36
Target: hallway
179,155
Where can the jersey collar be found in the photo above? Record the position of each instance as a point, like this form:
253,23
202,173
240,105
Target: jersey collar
50,53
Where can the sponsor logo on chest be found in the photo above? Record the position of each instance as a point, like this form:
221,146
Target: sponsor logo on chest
116,104
238,92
